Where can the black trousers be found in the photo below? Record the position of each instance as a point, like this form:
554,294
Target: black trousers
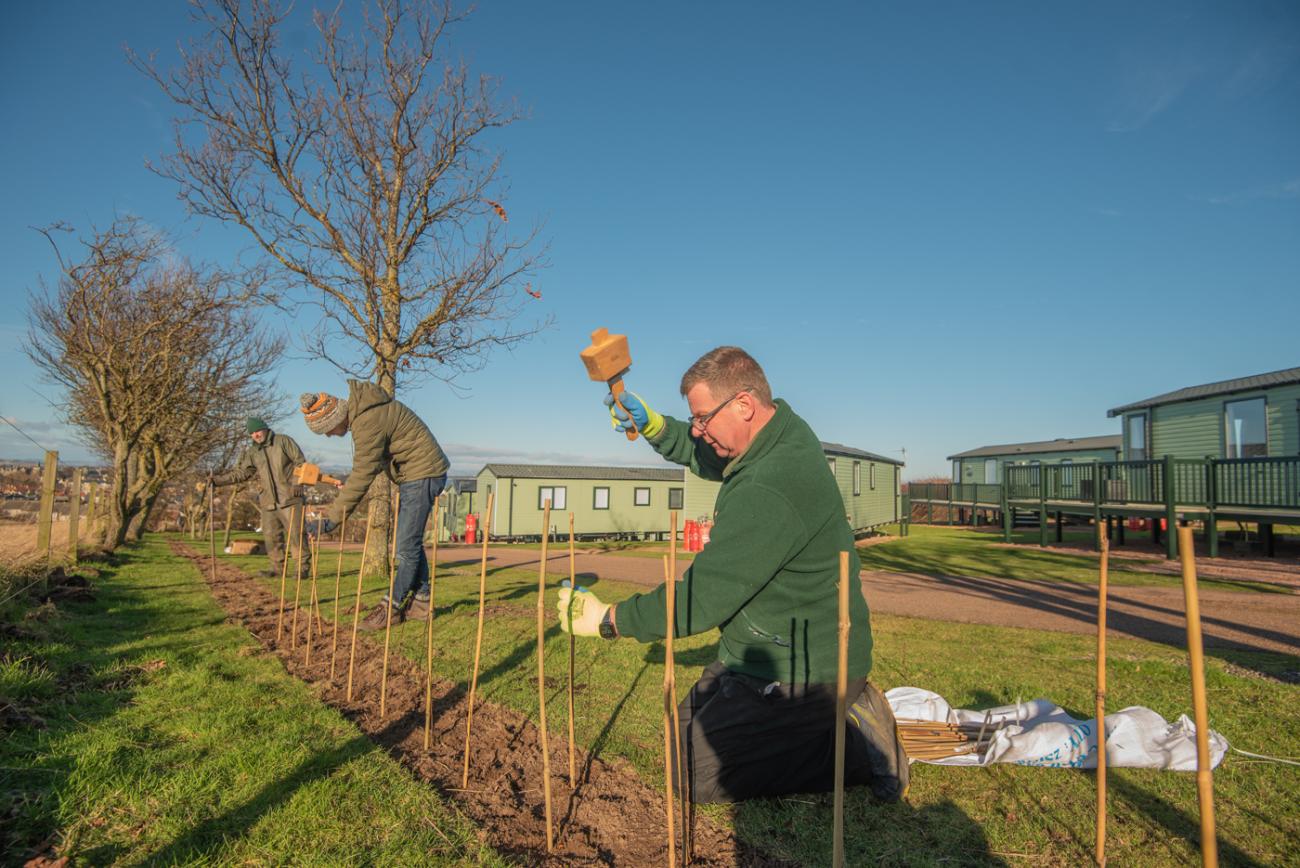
744,738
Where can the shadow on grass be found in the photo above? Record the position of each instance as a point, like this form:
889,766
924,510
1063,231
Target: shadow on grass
1179,824
216,833
874,833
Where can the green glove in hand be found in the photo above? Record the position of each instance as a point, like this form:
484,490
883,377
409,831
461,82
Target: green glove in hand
648,422
580,611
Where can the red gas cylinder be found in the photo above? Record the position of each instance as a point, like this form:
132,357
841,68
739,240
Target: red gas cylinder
705,527
690,534
471,527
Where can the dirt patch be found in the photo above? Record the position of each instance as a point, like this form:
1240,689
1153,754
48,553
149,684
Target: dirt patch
611,818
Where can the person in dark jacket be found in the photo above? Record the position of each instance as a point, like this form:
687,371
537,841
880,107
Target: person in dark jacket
387,437
272,458
759,722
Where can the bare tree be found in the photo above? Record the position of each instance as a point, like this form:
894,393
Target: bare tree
367,175
160,361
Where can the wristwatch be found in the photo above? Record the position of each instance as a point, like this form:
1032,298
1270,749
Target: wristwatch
607,630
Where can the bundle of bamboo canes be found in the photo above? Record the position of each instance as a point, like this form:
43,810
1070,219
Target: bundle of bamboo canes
933,740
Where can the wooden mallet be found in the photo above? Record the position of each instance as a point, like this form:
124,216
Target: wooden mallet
310,474
607,360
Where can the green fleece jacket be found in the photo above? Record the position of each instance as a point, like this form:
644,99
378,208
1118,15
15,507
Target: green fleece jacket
272,461
387,437
769,576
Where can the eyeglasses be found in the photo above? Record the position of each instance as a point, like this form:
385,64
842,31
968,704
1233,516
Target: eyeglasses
702,422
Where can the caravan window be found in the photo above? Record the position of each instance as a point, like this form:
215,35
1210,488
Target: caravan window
1246,434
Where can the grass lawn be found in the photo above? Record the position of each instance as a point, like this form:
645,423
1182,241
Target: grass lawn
164,738
958,551
998,815
637,549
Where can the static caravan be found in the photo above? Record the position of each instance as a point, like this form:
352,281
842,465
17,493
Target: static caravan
984,465
870,485
605,501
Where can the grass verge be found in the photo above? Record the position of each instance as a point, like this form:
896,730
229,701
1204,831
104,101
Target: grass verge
152,731
957,551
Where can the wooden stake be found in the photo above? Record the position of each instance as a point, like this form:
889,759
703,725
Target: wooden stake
91,504
1204,775
356,612
212,536
74,515
478,639
841,714
541,670
45,524
670,703
313,605
297,588
338,578
683,785
1101,698
388,623
573,583
284,574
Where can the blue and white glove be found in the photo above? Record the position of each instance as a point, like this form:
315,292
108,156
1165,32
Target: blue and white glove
648,422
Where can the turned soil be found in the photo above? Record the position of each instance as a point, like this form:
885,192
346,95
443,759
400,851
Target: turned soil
611,818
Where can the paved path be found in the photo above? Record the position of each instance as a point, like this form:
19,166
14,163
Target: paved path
1236,620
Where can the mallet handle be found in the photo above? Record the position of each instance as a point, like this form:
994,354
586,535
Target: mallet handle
616,389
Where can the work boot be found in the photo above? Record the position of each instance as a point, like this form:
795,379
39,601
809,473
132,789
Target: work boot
418,610
873,717
377,618
268,574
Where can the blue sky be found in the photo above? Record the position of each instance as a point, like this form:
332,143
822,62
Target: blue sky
937,226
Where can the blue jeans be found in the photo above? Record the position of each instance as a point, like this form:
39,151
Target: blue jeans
417,499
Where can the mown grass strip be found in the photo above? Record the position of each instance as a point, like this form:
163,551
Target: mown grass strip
973,816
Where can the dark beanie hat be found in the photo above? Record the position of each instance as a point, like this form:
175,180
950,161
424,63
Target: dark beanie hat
255,424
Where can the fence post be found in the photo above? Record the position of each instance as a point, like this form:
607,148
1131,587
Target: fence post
1006,511
1211,505
1042,506
43,525
1171,514
91,505
74,515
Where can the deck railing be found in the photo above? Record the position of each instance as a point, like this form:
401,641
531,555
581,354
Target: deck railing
1212,483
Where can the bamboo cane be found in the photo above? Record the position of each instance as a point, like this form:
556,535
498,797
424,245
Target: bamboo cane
428,634
313,602
388,624
297,588
573,583
212,536
1101,697
683,785
841,713
284,572
541,669
338,578
670,624
1204,775
478,640
356,611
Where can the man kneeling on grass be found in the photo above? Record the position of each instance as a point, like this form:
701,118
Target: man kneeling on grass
759,722
387,437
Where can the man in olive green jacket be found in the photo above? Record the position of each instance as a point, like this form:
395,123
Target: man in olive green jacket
387,437
272,459
759,720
